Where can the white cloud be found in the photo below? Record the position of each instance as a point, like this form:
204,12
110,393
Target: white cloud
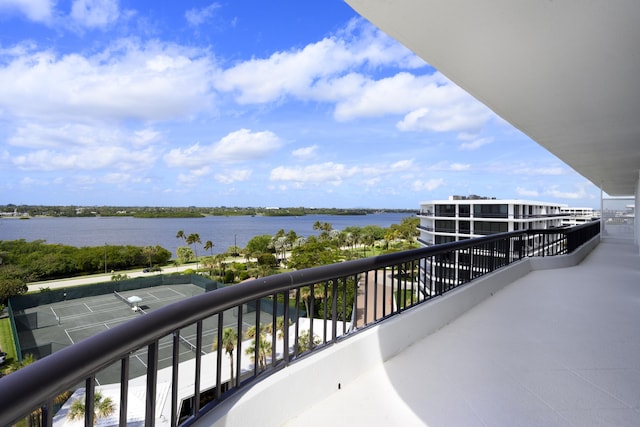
526,169
35,10
30,182
475,144
86,181
402,165
85,158
305,153
127,80
80,146
196,17
448,166
329,172
116,178
429,185
579,193
309,72
232,176
239,146
457,116
95,13
69,135
526,193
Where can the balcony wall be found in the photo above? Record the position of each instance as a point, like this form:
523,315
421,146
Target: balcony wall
328,378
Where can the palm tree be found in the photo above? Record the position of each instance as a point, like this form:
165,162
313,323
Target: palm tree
192,239
305,295
28,359
102,406
229,341
368,240
181,235
263,350
280,245
306,343
149,251
208,245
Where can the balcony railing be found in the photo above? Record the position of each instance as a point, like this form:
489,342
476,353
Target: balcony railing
343,298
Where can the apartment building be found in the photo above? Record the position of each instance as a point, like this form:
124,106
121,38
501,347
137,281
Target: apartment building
578,215
464,217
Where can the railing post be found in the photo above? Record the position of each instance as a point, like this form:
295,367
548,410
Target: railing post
334,310
152,372
285,337
124,389
89,400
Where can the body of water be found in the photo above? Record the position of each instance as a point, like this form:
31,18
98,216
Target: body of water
223,231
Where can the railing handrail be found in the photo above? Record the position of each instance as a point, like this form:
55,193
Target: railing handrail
35,384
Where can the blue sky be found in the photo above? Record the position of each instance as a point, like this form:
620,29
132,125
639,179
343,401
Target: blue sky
244,103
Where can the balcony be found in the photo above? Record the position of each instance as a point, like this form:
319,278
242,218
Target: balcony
555,347
383,326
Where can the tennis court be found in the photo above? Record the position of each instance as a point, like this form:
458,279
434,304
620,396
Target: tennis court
47,328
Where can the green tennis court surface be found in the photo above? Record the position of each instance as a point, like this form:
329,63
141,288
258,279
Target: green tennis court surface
47,328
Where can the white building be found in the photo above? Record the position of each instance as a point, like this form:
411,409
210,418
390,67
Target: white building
464,217
579,216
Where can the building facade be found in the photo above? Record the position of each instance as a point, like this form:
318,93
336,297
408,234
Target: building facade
577,216
465,217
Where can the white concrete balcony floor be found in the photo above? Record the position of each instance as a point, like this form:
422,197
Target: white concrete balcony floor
556,347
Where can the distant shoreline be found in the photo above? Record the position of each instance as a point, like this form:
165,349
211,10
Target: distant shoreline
27,212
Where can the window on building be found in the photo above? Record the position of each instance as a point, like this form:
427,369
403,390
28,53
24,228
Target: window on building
464,211
486,227
491,211
445,226
464,227
445,210
444,239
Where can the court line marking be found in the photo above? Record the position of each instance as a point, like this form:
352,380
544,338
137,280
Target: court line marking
54,313
89,308
69,336
92,325
93,313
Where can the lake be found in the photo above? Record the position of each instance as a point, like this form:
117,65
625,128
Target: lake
223,231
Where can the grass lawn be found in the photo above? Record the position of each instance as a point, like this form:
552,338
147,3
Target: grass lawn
6,340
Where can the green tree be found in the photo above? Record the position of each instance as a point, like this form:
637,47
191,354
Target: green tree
149,251
306,343
264,346
192,239
258,245
185,254
103,407
229,342
208,246
314,252
15,365
13,282
324,228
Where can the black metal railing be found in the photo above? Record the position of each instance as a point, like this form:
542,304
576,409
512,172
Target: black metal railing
321,306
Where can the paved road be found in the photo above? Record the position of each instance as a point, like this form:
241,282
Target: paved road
97,278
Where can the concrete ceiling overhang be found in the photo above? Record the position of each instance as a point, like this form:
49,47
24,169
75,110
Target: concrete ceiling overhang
564,72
